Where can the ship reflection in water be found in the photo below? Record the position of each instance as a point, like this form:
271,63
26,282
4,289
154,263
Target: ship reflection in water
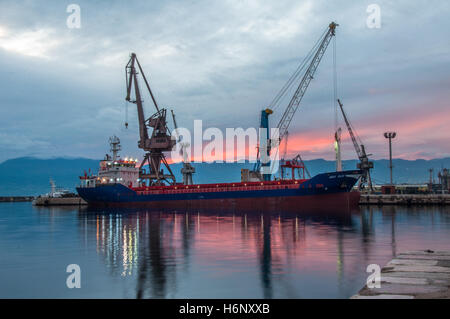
232,255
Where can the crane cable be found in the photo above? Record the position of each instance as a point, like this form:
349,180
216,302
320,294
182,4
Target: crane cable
126,115
335,87
277,99
275,103
296,75
335,95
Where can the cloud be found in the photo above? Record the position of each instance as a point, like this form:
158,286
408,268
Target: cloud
222,62
22,143
34,43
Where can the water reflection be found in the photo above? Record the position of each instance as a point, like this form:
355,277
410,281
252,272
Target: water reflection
192,254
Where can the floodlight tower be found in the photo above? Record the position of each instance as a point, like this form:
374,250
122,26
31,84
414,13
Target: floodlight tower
390,136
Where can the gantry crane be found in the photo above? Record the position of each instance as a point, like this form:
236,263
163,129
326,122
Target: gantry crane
187,170
295,164
364,164
285,121
160,140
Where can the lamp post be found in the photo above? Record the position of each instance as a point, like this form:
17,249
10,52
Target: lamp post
390,136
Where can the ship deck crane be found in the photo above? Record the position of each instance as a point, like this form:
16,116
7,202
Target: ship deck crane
285,121
295,164
160,140
187,170
364,164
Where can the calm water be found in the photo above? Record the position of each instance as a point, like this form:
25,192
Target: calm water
148,254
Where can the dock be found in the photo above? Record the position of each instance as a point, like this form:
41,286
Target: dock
405,199
59,201
16,199
44,201
421,274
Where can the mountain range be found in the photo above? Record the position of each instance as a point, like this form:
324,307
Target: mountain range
30,175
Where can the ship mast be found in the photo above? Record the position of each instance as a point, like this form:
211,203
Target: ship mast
114,142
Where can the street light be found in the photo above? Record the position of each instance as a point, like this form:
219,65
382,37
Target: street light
390,136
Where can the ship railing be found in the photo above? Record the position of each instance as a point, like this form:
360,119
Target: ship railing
228,188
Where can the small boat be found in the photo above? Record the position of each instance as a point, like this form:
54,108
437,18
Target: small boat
58,196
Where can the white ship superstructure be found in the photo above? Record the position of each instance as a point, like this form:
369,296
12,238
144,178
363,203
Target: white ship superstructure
113,169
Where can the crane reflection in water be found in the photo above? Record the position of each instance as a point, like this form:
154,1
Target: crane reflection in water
200,254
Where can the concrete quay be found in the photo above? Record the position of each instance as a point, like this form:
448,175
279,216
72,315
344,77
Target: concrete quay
421,274
58,201
405,199
16,198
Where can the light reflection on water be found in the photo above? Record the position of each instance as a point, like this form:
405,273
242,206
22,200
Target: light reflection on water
148,254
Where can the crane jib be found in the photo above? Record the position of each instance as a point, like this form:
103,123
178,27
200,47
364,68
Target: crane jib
293,105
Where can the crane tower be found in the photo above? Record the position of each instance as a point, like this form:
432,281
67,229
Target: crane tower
160,140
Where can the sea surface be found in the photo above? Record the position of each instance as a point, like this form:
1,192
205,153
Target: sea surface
153,254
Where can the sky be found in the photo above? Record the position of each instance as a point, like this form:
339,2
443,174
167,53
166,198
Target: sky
62,90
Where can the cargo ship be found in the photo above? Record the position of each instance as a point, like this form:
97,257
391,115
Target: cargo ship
118,184
122,183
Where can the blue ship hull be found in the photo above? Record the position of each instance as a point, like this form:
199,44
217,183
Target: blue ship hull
323,190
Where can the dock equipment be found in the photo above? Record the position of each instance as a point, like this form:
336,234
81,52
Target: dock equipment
160,140
364,164
295,164
187,170
314,58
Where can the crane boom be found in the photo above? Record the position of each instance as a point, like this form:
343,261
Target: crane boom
364,164
175,125
283,125
132,77
288,114
350,131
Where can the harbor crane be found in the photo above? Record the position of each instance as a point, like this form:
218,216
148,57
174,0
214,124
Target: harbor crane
160,140
364,164
295,164
262,170
187,170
